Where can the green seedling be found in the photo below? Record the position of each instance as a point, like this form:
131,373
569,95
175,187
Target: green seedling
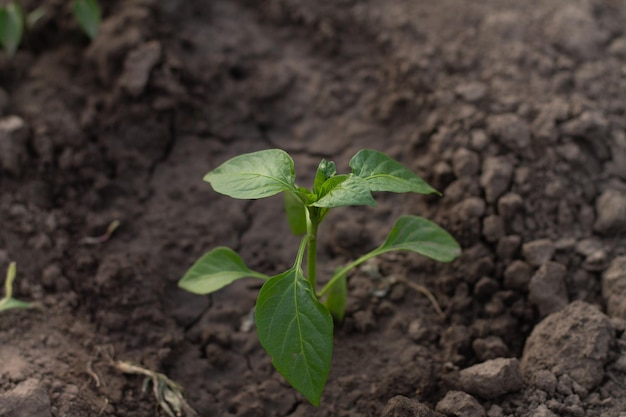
11,27
294,318
87,14
13,21
8,302
96,240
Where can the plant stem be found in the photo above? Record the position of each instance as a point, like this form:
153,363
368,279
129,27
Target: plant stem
8,283
311,255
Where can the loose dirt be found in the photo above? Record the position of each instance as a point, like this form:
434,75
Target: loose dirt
515,111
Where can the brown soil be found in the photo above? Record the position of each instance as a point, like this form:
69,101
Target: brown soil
514,110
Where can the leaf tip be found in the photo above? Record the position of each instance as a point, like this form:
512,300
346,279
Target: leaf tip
207,177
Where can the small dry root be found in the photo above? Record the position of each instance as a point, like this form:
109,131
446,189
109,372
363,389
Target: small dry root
90,371
423,290
371,269
168,394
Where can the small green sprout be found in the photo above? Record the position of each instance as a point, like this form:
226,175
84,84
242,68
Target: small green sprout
87,13
13,21
8,302
96,240
11,27
294,319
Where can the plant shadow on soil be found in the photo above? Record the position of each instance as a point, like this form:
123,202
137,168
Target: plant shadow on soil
514,111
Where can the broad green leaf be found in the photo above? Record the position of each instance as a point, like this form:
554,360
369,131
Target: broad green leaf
383,173
215,270
296,214
337,297
254,175
296,331
325,170
345,190
11,27
87,13
416,234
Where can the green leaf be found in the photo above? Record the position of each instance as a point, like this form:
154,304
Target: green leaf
9,303
32,18
296,331
215,270
296,214
325,170
87,13
416,234
254,175
11,27
345,190
337,297
383,173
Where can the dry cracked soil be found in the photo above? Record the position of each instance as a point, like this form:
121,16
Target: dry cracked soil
516,111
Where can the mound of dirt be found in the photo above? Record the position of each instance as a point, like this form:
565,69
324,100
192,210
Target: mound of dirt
515,112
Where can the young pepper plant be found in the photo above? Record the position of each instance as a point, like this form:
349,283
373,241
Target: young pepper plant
13,21
294,319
